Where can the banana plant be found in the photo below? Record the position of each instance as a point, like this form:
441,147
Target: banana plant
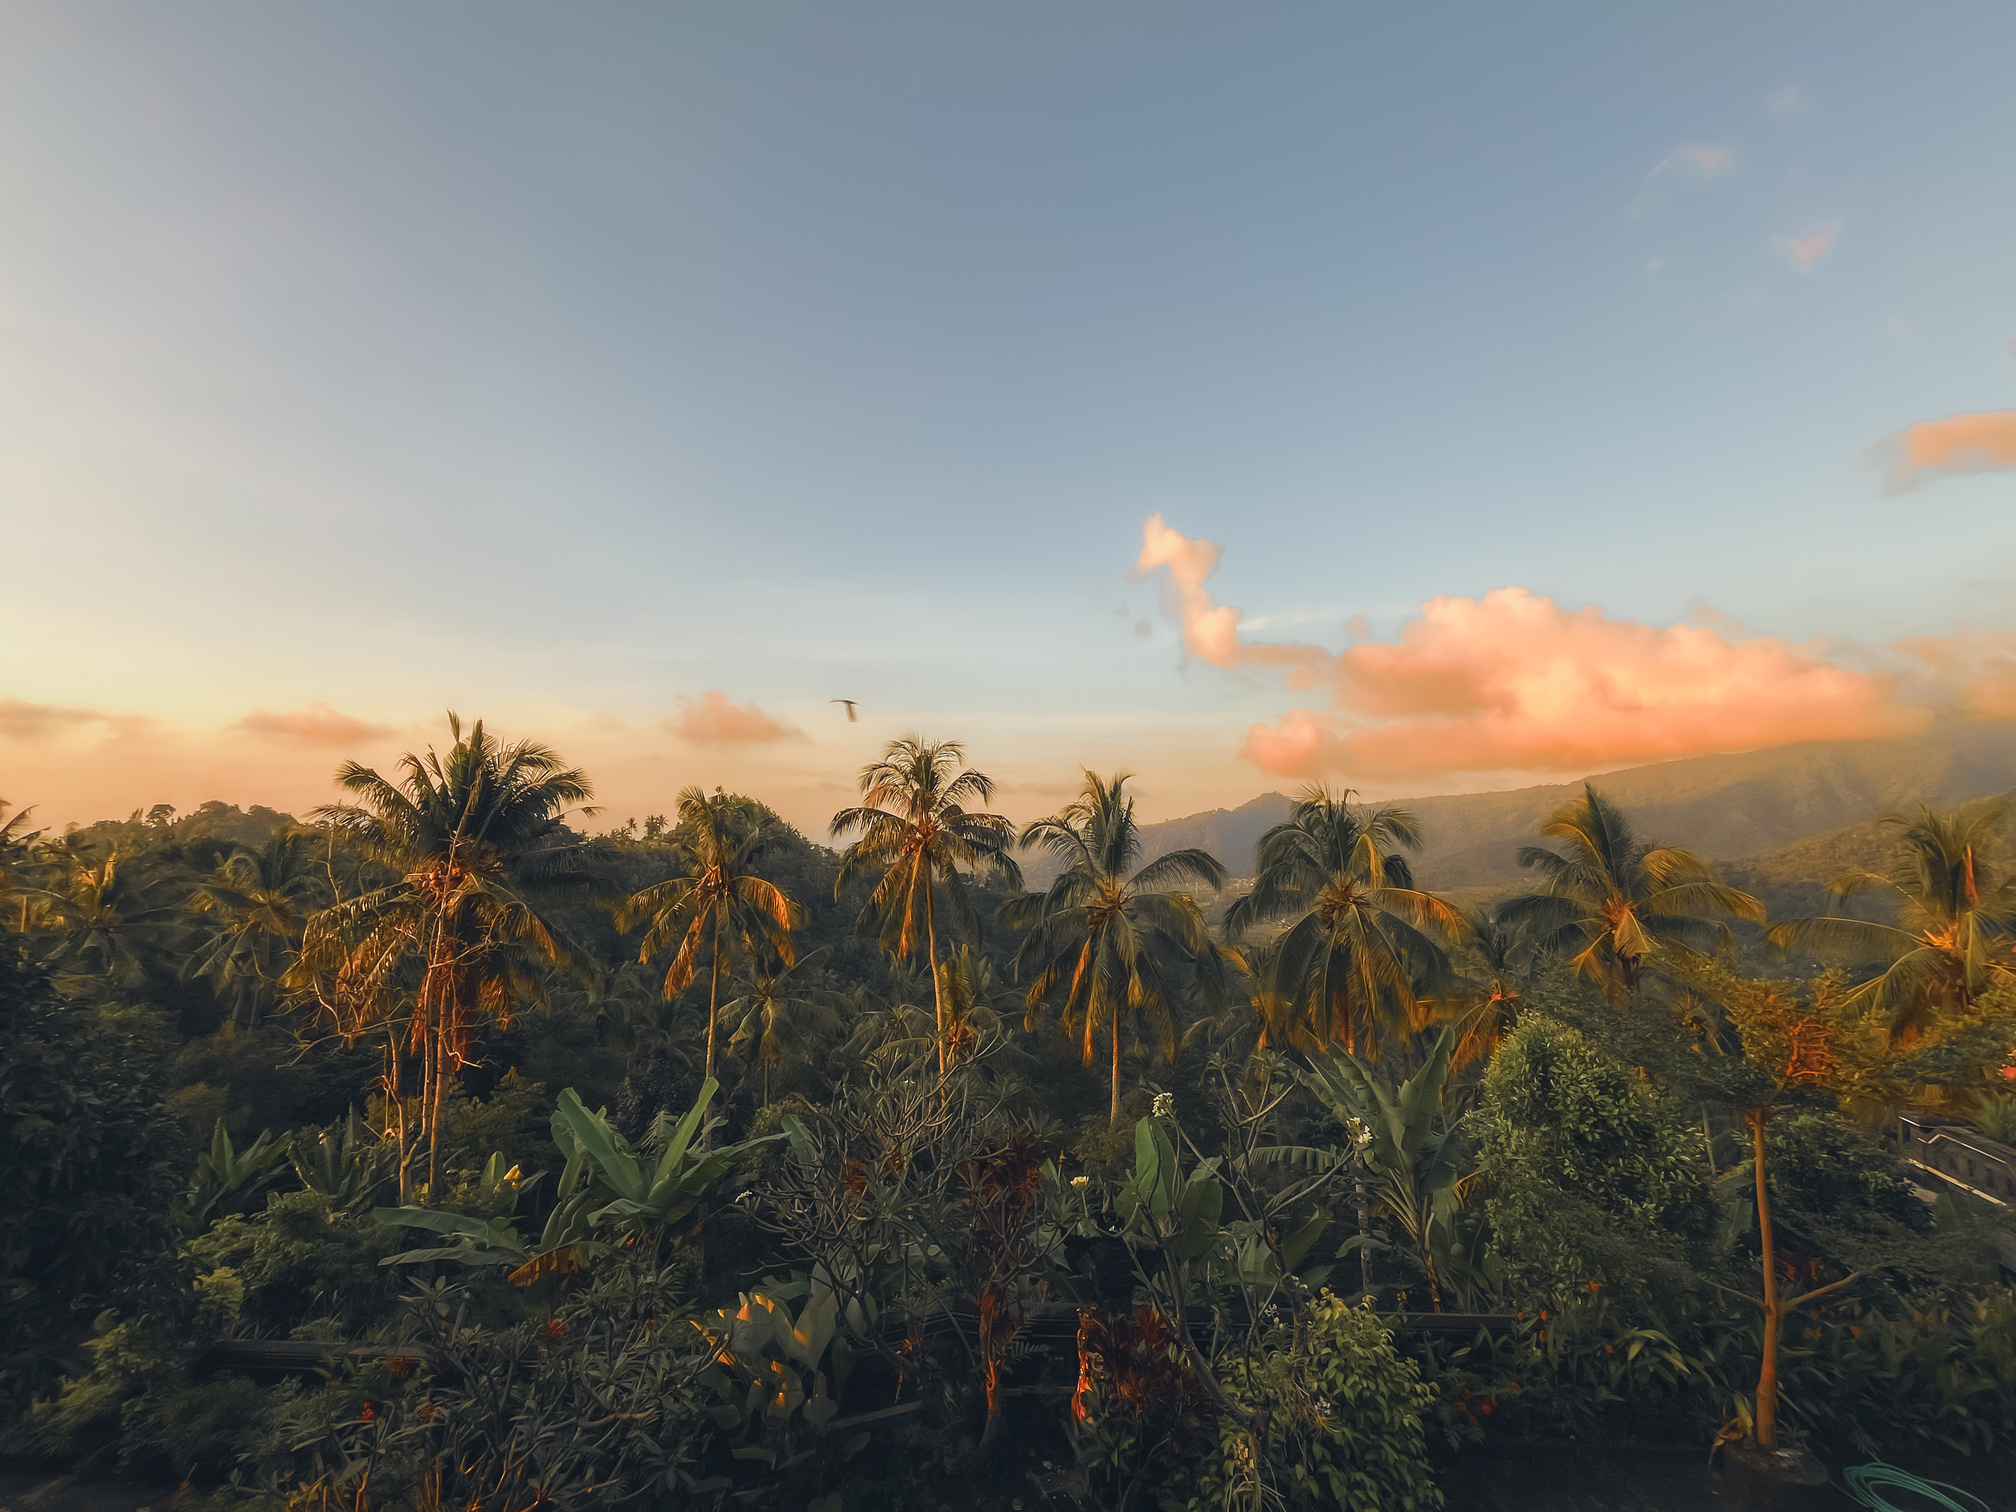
229,1180
647,1195
1177,1213
1416,1167
354,1169
561,1248
769,1379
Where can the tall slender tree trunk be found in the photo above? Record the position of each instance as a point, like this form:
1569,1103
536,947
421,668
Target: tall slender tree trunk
1115,1122
713,996
931,958
1765,1421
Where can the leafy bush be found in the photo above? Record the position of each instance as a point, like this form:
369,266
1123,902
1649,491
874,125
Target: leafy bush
1591,1174
593,1405
1346,1421
141,1405
307,1268
89,1163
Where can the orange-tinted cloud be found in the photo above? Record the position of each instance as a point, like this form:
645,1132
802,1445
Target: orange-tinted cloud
1514,682
711,719
1953,446
313,724
1210,629
1975,670
1804,250
21,720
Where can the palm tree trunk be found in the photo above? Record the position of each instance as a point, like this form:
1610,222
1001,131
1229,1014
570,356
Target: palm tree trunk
442,1031
713,996
1764,1425
1115,1122
931,958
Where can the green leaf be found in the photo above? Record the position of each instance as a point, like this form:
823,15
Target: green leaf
1298,1243
1203,1203
675,1149
594,1135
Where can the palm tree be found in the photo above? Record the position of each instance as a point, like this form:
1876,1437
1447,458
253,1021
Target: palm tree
1356,960
1104,930
1484,1003
917,830
1955,896
477,842
102,915
716,905
16,849
1623,900
778,1011
262,899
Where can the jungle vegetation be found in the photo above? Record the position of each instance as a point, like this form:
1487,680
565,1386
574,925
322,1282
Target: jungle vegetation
699,1163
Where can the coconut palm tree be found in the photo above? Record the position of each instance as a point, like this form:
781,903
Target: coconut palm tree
101,915
917,828
1484,1001
1106,932
477,845
1955,897
1361,951
16,853
716,906
261,899
1624,901
781,1011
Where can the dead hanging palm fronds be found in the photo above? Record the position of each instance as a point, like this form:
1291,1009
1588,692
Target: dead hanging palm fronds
477,840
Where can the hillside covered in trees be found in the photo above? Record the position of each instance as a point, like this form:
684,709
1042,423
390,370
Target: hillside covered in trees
696,1161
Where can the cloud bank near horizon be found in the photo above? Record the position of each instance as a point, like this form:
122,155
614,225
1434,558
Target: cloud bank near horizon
1513,682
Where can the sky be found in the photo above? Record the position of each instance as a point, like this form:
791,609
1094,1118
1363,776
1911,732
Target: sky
1420,399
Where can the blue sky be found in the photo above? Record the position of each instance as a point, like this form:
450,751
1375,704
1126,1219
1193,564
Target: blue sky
563,365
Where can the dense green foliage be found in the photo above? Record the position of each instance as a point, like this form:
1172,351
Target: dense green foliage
703,1165
1593,1176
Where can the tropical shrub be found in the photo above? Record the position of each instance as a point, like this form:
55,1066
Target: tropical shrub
89,1165
1591,1173
1345,1422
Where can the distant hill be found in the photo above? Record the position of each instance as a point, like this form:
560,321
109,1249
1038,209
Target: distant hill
1725,807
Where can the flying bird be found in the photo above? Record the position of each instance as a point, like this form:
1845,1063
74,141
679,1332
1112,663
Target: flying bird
852,717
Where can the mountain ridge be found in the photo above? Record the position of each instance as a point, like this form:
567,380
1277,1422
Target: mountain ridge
1728,808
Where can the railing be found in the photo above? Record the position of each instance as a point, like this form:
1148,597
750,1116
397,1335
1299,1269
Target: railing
1963,1158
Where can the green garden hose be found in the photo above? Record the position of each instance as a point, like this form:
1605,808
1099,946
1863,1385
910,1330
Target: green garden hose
1867,1483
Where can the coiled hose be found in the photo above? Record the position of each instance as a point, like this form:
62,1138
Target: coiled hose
1867,1483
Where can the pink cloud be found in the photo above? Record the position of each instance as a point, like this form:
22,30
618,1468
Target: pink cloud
1514,682
313,724
1210,629
21,720
711,719
1954,446
1806,249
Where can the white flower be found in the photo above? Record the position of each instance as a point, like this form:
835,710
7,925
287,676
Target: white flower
1165,1105
1081,1182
